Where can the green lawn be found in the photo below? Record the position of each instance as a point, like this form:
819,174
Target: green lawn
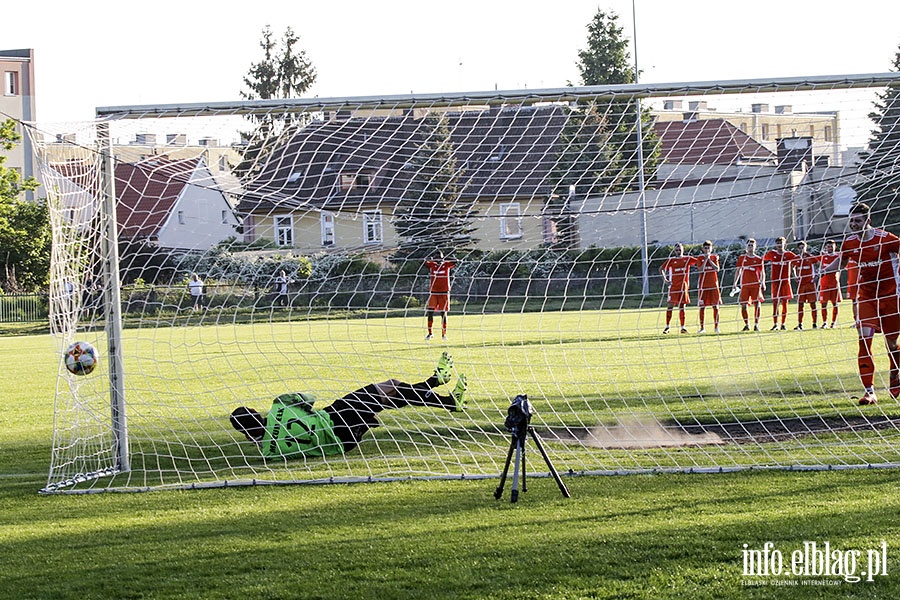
638,536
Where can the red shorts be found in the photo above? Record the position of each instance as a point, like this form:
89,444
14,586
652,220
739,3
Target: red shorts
781,290
751,293
881,314
679,297
807,292
830,294
709,297
439,302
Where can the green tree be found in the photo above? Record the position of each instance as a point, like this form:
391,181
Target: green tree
24,225
880,168
599,143
284,72
432,215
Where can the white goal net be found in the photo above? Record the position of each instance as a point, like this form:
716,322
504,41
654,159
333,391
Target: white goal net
308,227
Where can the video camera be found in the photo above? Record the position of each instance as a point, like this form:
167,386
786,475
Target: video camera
518,416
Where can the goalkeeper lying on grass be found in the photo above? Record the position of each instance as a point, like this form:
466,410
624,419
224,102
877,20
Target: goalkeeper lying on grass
293,428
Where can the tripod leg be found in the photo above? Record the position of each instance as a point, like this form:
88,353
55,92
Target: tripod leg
499,491
524,486
514,493
559,481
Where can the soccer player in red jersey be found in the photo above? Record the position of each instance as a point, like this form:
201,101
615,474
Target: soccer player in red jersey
874,251
439,298
750,279
675,272
709,293
807,268
782,263
829,286
853,286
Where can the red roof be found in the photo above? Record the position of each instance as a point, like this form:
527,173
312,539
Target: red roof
146,192
707,142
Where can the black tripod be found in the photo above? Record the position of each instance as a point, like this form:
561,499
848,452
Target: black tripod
518,423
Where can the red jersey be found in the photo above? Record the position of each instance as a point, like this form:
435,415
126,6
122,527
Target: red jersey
440,276
874,262
709,271
781,265
828,280
806,270
751,269
679,268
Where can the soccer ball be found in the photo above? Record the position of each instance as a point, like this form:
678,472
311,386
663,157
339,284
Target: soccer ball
81,358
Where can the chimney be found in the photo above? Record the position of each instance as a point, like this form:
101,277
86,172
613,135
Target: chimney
760,108
672,104
784,109
696,105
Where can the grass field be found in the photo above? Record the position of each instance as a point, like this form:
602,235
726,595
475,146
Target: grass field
639,536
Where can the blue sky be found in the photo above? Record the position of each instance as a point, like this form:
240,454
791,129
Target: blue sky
102,53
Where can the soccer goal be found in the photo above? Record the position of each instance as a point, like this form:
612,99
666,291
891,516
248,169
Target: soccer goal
220,255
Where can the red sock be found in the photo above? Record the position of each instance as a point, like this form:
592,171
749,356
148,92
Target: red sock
865,362
744,313
681,317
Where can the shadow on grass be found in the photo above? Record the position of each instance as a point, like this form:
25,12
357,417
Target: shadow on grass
639,537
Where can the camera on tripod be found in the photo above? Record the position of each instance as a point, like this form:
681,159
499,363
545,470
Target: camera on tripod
518,416
518,423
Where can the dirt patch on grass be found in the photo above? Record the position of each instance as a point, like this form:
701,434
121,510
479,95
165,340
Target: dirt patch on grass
650,433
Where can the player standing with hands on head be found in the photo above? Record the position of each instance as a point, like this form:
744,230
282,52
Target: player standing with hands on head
675,272
829,286
807,274
782,264
750,279
874,251
709,292
439,293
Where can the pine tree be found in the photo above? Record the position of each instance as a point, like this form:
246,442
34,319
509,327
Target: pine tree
432,216
880,169
284,73
599,142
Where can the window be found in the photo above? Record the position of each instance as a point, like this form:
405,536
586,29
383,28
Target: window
744,127
765,131
812,131
284,231
354,181
11,83
225,216
510,221
373,231
181,217
778,131
828,133
844,196
295,178
223,163
327,229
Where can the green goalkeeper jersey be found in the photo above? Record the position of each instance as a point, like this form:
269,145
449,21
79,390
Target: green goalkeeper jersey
294,428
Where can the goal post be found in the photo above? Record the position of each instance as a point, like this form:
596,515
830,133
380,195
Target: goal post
309,224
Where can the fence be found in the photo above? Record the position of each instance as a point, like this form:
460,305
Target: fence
23,308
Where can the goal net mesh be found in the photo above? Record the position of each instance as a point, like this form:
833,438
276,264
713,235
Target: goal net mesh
310,222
